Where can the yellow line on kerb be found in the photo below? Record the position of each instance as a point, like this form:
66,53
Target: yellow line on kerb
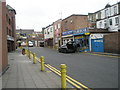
103,55
69,78
66,78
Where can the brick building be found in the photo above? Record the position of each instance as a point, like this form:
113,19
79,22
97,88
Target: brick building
22,35
57,33
11,28
3,38
75,21
75,28
111,43
104,26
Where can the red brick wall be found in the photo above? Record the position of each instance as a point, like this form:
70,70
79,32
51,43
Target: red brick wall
74,22
111,43
0,37
3,38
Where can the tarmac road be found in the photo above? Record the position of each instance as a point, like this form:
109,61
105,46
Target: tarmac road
91,70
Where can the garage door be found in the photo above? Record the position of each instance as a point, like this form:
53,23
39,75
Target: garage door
97,45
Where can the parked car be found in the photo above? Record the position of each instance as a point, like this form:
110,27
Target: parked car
70,47
30,44
23,44
42,44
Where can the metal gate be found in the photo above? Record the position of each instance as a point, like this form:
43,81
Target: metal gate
97,45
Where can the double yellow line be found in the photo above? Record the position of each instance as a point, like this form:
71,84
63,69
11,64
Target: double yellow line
103,55
68,78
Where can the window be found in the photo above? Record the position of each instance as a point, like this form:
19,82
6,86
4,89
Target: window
100,24
116,21
51,29
110,21
9,22
58,26
45,31
115,10
105,24
106,12
71,21
7,31
55,27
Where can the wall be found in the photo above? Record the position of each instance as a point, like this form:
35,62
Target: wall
57,33
0,37
111,43
74,22
94,36
49,32
3,37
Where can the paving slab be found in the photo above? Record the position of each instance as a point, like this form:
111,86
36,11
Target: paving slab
22,73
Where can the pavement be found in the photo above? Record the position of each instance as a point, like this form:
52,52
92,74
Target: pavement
22,73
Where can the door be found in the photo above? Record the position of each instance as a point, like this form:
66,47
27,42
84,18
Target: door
97,45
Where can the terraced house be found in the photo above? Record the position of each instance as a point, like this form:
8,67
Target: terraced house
107,22
107,18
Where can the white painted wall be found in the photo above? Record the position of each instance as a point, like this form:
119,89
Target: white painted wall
110,15
113,27
51,32
119,22
112,9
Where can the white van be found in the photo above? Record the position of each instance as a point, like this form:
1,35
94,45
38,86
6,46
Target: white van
30,44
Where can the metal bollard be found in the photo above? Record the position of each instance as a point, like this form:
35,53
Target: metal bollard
29,54
63,75
42,63
34,58
25,51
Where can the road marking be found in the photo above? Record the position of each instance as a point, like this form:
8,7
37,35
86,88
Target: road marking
66,78
103,55
69,79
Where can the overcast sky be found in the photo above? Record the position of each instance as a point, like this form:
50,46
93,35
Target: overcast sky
35,14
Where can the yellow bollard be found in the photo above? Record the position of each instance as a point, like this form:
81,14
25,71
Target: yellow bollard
42,63
26,51
29,54
63,75
34,58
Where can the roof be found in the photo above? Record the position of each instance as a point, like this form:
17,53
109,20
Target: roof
75,15
108,5
11,9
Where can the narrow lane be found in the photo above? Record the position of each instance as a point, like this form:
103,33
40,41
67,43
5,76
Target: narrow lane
91,70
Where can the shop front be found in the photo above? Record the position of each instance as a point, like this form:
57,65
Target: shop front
11,43
49,42
81,38
67,36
